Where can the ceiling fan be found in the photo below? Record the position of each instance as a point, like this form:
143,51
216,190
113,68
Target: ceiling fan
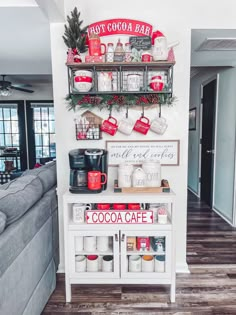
6,87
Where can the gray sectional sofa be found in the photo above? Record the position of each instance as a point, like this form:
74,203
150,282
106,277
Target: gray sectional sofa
29,247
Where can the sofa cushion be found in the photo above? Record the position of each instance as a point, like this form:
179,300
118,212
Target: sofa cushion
20,195
3,220
20,233
46,173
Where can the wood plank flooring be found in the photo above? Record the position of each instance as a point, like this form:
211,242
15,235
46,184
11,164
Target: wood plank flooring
210,288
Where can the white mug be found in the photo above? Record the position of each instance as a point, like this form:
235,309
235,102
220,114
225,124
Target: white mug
159,125
80,263
79,246
90,243
104,81
133,82
126,126
79,211
107,263
134,263
92,263
102,243
160,263
147,263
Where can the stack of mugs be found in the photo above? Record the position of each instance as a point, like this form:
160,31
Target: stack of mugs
146,263
92,263
149,175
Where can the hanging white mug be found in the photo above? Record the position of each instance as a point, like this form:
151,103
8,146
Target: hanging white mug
126,126
159,125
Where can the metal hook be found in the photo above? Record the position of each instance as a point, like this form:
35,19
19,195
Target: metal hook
127,112
110,111
159,110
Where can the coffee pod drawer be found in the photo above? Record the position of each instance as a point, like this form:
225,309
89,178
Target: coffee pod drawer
144,253
94,254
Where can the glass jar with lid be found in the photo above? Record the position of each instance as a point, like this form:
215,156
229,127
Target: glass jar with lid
127,52
110,52
119,52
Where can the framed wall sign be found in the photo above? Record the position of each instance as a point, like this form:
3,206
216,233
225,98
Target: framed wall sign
136,152
119,217
141,42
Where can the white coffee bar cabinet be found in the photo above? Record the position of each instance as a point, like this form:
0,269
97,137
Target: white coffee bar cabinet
118,235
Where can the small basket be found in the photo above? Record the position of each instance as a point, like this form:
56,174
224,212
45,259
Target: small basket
88,131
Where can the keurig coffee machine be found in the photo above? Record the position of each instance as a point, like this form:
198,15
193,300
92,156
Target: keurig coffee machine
84,162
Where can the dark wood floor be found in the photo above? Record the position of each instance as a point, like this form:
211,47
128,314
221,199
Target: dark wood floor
210,288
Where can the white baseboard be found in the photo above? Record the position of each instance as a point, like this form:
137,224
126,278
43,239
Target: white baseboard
61,269
193,192
182,268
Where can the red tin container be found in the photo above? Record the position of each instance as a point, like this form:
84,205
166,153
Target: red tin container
143,243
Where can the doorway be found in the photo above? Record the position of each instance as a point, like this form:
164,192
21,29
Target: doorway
207,141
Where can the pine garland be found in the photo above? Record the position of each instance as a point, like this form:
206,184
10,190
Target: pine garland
75,36
117,101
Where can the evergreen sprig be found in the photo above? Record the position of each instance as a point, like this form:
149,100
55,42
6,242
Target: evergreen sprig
75,36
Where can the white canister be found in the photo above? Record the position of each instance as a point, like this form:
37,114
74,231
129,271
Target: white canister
92,263
107,263
90,243
79,243
147,263
104,81
102,243
125,175
80,263
153,173
134,263
160,263
79,211
139,178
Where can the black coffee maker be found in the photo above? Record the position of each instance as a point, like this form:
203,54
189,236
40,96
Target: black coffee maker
81,162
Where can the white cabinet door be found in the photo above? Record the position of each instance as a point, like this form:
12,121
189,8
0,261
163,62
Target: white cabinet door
94,254
145,254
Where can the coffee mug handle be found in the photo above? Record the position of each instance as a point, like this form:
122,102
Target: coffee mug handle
145,118
105,178
112,118
88,206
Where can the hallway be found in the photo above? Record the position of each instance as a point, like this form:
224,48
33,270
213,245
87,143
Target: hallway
210,288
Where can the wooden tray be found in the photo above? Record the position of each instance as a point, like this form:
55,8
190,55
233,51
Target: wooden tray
137,190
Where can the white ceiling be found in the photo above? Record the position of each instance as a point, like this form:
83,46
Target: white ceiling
211,58
25,41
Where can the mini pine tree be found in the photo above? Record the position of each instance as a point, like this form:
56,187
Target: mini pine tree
75,36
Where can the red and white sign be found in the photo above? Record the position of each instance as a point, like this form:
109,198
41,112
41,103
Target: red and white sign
120,26
119,217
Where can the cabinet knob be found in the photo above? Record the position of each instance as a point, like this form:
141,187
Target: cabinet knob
116,237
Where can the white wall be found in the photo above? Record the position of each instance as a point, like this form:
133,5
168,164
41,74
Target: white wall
175,19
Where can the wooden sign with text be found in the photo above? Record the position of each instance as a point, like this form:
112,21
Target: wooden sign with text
120,26
119,217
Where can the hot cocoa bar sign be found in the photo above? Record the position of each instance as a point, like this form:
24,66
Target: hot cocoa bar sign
136,152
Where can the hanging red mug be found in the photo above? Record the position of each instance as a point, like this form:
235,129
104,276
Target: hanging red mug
109,126
95,46
142,125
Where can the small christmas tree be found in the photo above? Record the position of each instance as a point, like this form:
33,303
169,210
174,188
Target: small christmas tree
75,36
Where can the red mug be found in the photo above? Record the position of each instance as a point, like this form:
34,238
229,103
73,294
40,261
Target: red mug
103,206
133,206
119,206
146,57
95,47
142,125
109,127
95,180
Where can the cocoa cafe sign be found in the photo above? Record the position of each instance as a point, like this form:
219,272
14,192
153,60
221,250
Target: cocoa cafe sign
120,26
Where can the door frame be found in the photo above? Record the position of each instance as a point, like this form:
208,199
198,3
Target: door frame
204,83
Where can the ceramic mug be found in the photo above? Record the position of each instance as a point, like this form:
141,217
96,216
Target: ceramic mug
126,126
92,263
147,263
160,263
102,243
79,211
80,263
79,243
142,125
135,263
95,180
104,81
133,82
103,206
90,243
159,125
107,263
110,126
133,206
119,206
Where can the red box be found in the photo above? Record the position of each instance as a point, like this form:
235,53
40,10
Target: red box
143,243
